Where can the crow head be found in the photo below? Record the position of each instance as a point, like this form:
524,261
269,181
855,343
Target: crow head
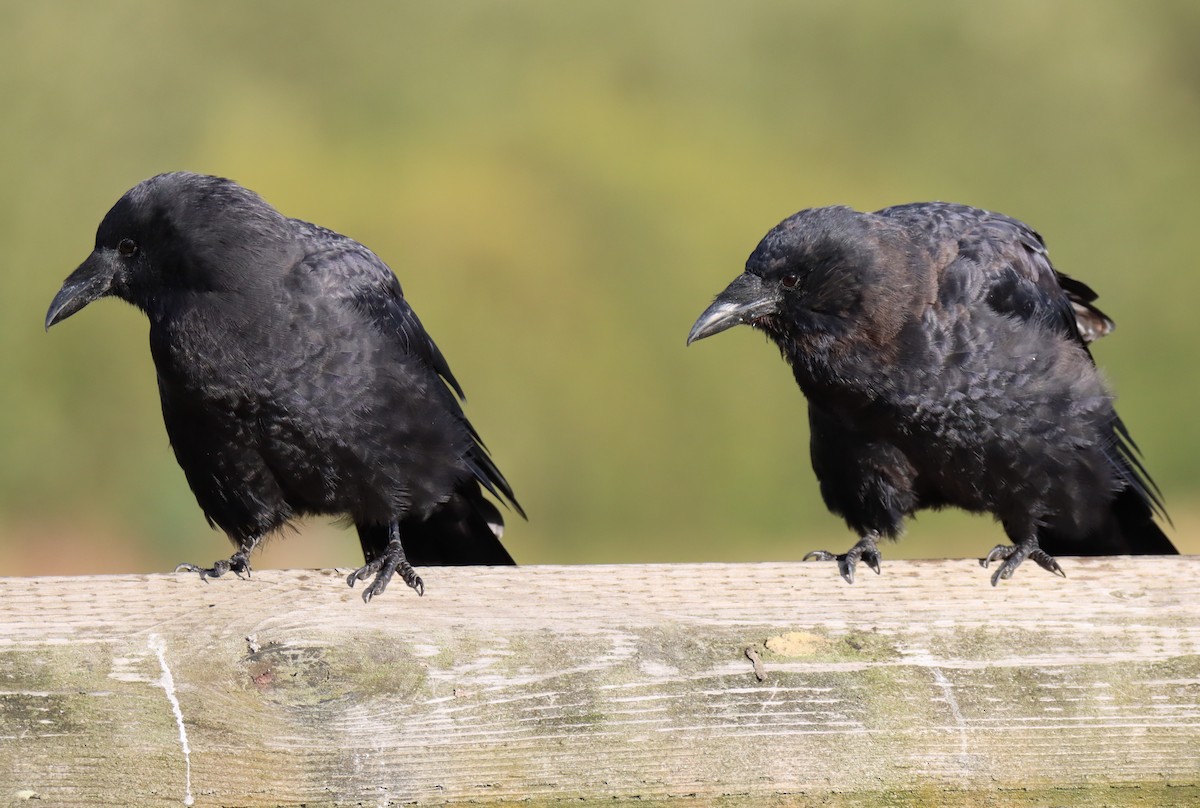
165,237
811,278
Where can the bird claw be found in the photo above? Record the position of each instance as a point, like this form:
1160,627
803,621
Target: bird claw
1046,562
383,567
865,550
237,564
363,573
820,555
1014,554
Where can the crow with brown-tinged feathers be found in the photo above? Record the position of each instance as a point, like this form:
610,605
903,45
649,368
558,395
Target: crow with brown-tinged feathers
945,363
295,379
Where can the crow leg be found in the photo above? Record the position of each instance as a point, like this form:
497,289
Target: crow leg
238,563
866,550
383,566
1012,556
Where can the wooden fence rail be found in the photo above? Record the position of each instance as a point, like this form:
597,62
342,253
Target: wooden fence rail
748,684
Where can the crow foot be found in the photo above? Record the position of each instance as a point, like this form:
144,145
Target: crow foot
391,561
866,550
1014,554
237,564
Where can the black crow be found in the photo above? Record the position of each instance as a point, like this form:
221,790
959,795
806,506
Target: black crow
295,379
945,362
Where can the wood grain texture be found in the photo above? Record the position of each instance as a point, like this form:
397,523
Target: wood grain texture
554,684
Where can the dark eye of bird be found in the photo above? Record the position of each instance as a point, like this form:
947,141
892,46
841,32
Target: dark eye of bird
789,281
127,247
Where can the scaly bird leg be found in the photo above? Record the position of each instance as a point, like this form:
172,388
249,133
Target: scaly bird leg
392,560
866,550
1014,554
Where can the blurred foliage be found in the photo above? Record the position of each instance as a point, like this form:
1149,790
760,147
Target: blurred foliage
562,188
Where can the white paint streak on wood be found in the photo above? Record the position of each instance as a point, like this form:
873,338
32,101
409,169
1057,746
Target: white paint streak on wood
167,683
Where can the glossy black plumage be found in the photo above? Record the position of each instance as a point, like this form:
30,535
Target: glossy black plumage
945,362
295,378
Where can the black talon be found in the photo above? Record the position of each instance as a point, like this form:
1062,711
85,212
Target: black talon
1013,554
1046,562
391,561
865,550
363,572
237,564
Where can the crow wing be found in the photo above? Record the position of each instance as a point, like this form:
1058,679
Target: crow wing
1007,261
1009,258
360,280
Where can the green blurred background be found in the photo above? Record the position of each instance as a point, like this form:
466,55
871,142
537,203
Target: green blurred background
562,188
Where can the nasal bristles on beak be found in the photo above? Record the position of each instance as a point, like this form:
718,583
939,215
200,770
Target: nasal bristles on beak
91,281
743,301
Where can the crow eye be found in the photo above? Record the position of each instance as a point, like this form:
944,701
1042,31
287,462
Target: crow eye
127,247
789,281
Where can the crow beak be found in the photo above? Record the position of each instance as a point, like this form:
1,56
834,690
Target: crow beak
91,281
743,301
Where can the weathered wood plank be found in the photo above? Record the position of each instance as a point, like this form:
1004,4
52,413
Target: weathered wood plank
922,686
